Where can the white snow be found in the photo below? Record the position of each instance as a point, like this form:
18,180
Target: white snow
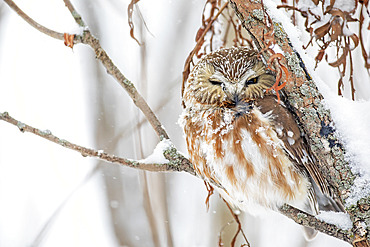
279,16
100,152
344,5
157,156
276,48
290,133
352,122
77,30
339,219
291,141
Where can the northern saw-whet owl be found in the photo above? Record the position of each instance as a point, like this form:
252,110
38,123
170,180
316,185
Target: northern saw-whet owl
240,137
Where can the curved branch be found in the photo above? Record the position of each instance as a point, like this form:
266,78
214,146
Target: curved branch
139,101
33,23
100,154
177,163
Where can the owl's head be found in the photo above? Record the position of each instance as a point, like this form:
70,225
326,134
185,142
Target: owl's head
228,76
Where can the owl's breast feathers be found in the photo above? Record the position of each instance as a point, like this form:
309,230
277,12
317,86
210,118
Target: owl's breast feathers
255,151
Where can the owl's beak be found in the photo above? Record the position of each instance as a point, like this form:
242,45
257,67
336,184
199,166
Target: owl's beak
235,98
233,92
238,106
242,107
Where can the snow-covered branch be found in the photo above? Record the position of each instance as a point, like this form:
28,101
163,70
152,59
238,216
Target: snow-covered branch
177,162
154,163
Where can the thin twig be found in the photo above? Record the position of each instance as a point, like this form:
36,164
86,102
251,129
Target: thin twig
139,101
74,13
240,229
46,134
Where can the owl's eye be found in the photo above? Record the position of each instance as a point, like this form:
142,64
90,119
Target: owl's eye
251,81
214,82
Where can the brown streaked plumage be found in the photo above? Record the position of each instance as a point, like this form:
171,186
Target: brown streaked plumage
243,139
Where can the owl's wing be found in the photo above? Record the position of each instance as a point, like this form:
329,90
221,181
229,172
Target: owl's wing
295,145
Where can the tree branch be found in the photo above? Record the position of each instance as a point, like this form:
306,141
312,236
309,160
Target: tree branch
307,103
100,154
177,163
74,13
138,100
33,23
100,53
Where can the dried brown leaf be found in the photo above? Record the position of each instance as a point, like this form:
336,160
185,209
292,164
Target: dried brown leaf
320,55
321,31
68,40
336,29
330,6
199,34
130,11
342,59
340,85
355,40
338,40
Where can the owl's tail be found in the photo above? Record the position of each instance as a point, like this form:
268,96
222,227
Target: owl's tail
312,207
327,203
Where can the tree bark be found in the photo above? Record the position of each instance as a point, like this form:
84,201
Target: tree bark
306,102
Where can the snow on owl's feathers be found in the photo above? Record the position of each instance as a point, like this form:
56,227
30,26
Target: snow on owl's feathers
241,138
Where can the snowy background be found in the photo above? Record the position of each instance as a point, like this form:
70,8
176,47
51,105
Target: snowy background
51,196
